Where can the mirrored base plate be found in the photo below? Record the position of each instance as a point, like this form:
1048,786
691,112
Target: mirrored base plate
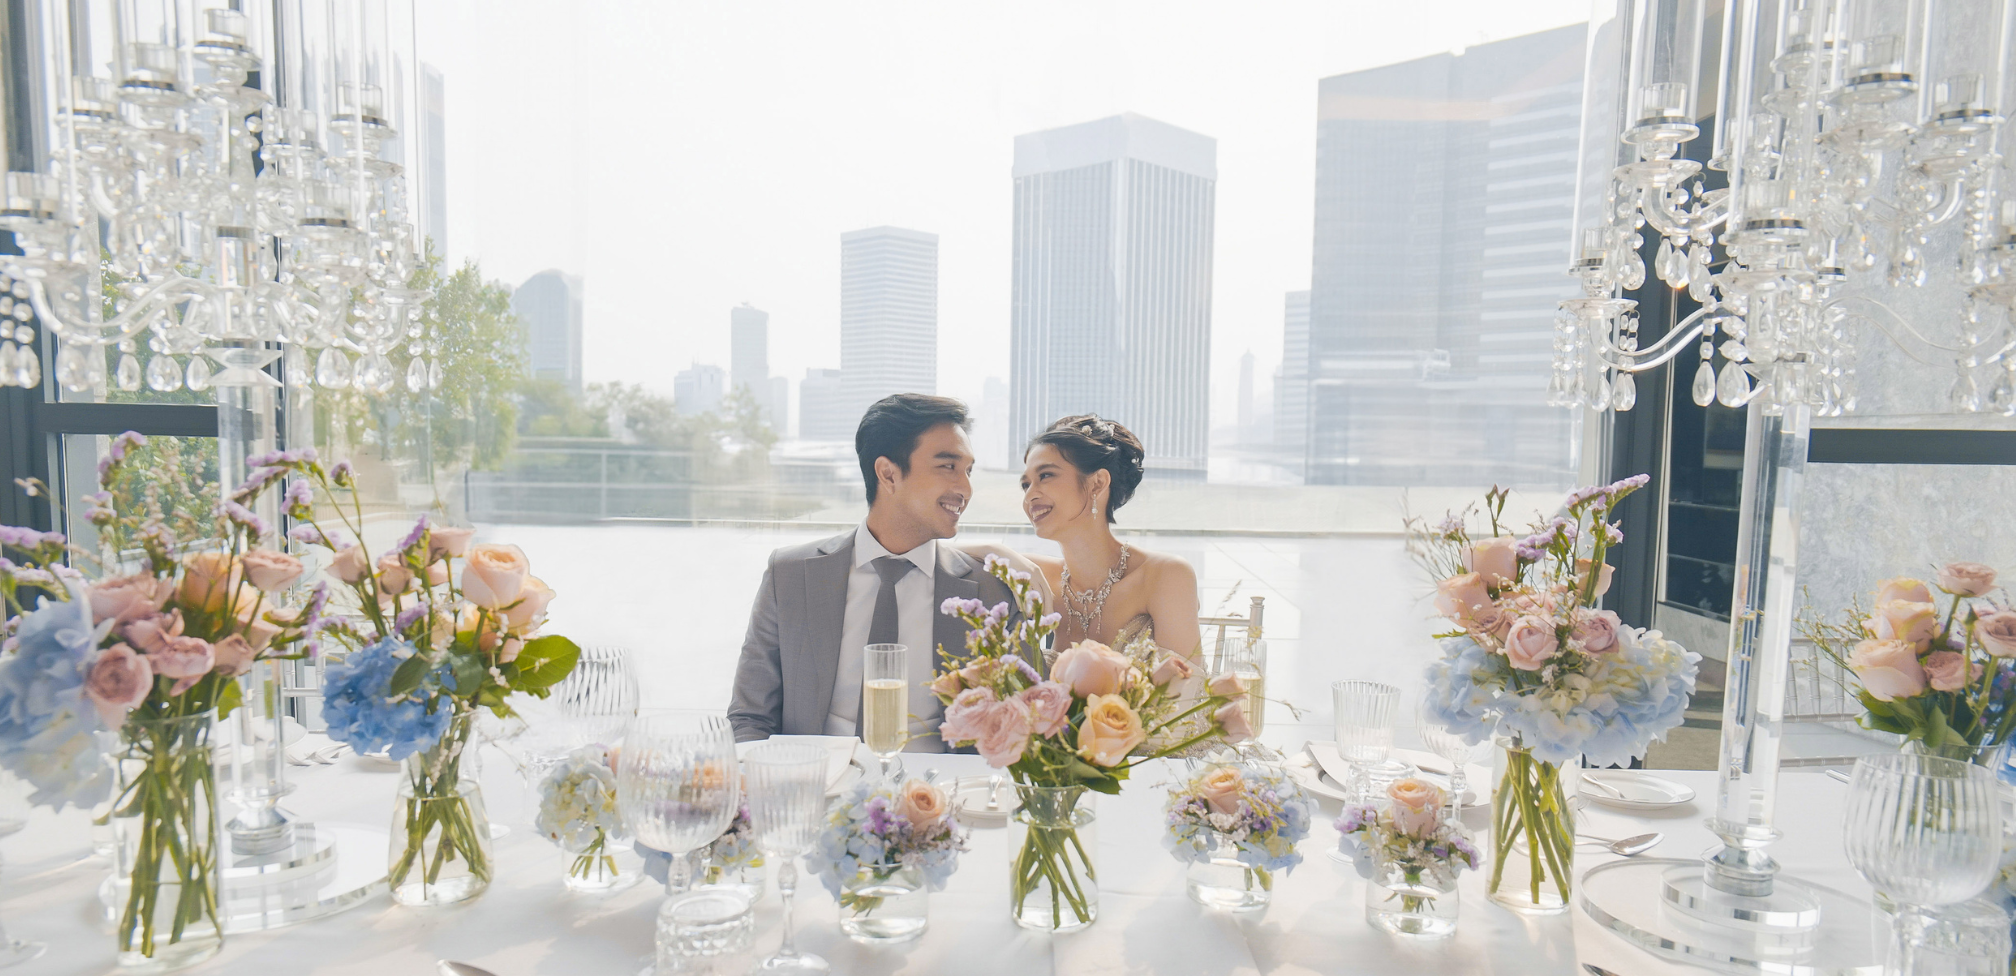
1630,897
331,867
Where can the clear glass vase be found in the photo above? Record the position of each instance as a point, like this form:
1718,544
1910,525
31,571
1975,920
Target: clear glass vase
1532,831
744,879
440,851
1411,901
168,872
592,867
1225,882
884,903
1053,881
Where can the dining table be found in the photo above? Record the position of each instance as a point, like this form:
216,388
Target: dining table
529,924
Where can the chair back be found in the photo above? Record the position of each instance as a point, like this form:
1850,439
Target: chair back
1222,633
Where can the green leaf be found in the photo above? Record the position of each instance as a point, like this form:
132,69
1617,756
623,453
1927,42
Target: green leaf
229,699
469,671
544,662
407,678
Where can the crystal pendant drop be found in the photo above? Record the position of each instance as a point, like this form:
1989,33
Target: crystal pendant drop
1624,393
127,375
164,375
374,374
332,369
27,369
73,370
1700,287
1599,395
1634,271
416,375
198,374
1965,395
1704,384
2003,400
1662,262
298,373
1734,350
6,364
435,374
1683,267
1733,387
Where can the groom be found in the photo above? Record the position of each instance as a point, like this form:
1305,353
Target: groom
879,583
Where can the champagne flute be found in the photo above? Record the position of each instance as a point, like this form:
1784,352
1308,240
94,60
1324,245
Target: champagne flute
787,807
885,701
677,788
1448,745
1249,662
1924,832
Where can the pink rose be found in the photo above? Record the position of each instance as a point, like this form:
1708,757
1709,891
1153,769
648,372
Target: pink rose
1232,720
271,571
443,541
1996,630
349,565
494,575
1004,732
1460,596
1902,588
1490,619
921,803
1602,579
1496,559
437,573
125,599
1946,671
258,631
1090,668
119,681
508,652
1900,620
234,655
1221,788
1171,669
530,610
1109,731
1531,643
1416,808
208,581
1597,630
1888,669
184,657
1227,685
393,574
1049,706
1967,579
151,634
947,685
962,718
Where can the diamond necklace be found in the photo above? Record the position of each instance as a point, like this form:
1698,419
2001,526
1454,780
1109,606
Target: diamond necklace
1093,603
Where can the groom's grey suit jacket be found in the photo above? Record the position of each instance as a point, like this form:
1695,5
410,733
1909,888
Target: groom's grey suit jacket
784,682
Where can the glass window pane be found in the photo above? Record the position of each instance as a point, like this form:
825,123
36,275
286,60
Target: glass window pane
170,478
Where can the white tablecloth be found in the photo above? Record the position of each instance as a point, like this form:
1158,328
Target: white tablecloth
528,924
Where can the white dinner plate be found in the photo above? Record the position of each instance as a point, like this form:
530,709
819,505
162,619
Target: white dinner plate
1304,772
1641,790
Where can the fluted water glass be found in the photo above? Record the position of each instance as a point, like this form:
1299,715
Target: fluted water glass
677,787
1366,712
1450,746
1924,831
787,808
600,696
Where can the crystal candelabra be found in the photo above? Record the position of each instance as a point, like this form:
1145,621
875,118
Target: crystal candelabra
1850,132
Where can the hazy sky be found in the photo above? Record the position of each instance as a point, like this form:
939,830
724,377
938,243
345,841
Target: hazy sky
685,157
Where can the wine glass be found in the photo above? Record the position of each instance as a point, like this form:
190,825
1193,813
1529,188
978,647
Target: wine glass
1924,832
885,701
677,788
600,696
1449,746
1365,716
787,807
14,952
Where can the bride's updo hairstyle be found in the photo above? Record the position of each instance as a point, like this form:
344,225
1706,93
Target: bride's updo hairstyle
1092,444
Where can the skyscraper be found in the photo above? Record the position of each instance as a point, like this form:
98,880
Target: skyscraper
888,316
1444,193
1291,387
698,389
1245,401
822,412
749,362
434,157
1111,308
548,306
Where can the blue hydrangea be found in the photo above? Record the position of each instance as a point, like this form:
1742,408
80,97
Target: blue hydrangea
1273,816
361,711
864,829
46,722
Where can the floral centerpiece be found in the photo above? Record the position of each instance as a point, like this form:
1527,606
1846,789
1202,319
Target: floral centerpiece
1236,825
881,850
1532,659
730,860
1083,727
577,811
1410,848
1938,669
150,648
426,647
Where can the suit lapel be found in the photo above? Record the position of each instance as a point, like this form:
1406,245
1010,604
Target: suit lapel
825,620
953,581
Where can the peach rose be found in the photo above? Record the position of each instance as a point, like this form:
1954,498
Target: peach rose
208,580
1109,731
1496,559
921,803
444,541
271,571
494,575
530,610
234,655
1004,733
508,652
947,685
1597,630
125,599
1901,620
1902,588
393,574
1996,630
1049,706
437,573
1233,721
258,631
1090,668
1221,788
1417,806
1602,579
151,634
1228,685
349,565
1460,596
1531,643
119,681
1888,669
1946,671
1967,579
1171,669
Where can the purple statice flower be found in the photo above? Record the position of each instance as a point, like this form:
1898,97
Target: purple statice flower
256,482
244,516
1612,535
415,537
997,613
304,455
1051,619
1450,526
116,452
1632,483
878,816
407,617
1022,666
342,475
1356,817
22,537
315,536
298,499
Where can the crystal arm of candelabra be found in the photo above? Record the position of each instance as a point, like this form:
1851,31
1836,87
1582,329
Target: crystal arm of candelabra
1901,323
171,291
1656,203
1662,352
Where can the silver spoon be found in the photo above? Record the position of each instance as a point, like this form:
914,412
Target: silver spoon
446,968
1605,787
994,794
1627,847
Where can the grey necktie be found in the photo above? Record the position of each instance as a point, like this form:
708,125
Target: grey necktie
882,626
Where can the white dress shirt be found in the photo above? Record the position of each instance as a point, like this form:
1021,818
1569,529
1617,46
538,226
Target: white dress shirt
915,617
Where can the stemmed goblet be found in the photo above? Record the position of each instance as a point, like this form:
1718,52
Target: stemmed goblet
677,787
1924,832
787,807
1449,746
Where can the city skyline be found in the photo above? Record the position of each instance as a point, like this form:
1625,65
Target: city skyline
888,314
549,309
